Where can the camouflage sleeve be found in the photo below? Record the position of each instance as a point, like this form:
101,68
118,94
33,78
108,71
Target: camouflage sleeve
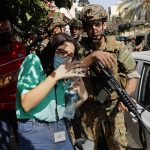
133,74
81,52
130,47
83,49
125,58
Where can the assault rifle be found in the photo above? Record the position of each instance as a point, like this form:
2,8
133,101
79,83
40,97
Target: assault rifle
111,84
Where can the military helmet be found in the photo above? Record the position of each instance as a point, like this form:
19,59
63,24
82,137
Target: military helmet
76,23
57,21
93,12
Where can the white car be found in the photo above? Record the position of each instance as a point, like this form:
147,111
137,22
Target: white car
138,136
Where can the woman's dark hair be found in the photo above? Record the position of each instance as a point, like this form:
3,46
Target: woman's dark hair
47,56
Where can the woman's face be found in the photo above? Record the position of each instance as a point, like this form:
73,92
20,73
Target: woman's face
64,54
66,50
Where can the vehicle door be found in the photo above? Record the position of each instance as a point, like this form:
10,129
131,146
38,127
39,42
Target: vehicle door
142,94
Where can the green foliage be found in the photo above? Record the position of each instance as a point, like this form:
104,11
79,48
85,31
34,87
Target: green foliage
132,10
27,15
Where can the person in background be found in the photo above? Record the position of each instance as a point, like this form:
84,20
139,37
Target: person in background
131,45
40,104
12,53
57,25
76,29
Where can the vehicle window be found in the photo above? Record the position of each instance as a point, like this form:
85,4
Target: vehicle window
136,63
145,86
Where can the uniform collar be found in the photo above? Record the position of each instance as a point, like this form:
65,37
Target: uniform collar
102,45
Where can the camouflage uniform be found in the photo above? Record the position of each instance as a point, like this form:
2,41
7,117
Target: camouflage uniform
57,21
93,114
109,30
131,47
76,23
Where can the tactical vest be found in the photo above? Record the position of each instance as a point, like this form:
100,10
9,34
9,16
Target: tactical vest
119,70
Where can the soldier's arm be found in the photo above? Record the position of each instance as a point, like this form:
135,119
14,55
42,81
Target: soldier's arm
105,58
130,88
129,66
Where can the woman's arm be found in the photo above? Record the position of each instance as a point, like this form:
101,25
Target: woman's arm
36,95
33,97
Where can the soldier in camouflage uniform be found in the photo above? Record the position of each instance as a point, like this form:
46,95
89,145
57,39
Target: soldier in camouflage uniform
76,29
57,25
131,45
93,17
109,30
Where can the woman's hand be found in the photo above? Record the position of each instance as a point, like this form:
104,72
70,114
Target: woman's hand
69,70
79,87
105,58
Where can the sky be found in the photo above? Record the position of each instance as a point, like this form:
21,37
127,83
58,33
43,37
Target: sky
104,3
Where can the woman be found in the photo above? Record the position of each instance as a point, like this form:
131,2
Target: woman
40,101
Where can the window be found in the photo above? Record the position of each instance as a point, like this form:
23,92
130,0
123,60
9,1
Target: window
144,91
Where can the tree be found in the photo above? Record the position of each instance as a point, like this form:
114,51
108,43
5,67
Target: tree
24,14
27,15
132,10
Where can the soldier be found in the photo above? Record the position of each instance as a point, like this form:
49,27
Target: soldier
76,29
57,25
93,18
132,44
109,30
